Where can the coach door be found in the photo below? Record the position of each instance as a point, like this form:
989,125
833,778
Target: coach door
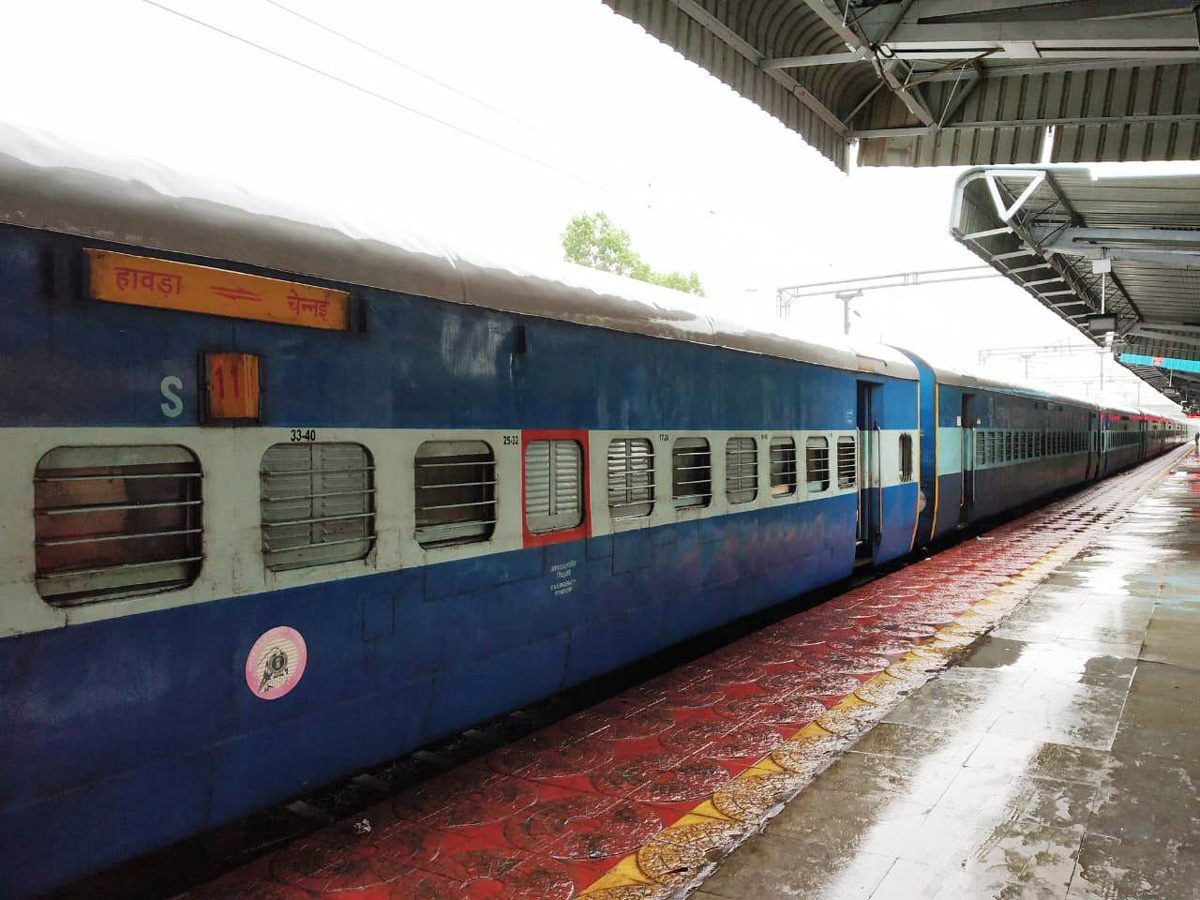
1093,445
869,508
967,462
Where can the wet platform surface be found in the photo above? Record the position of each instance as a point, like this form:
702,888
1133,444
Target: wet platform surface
1015,717
1060,758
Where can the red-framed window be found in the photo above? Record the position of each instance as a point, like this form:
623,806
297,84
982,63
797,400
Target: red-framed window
555,496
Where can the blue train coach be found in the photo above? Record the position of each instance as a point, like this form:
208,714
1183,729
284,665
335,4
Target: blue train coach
283,501
989,447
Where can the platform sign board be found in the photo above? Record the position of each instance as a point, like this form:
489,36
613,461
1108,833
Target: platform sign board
144,281
1161,362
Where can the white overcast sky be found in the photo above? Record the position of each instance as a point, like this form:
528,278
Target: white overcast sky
545,109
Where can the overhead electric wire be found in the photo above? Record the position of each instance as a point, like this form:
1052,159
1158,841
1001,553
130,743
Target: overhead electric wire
414,110
374,51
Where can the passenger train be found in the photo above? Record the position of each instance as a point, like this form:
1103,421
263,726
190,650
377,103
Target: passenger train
284,500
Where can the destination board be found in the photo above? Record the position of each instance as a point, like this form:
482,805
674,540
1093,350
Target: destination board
144,281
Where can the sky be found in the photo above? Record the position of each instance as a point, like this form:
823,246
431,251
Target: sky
490,124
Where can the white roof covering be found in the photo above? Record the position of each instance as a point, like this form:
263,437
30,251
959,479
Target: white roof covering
959,378
51,184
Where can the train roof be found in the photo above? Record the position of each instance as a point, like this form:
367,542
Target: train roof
960,378
51,184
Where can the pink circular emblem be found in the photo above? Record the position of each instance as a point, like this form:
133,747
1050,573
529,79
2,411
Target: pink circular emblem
276,663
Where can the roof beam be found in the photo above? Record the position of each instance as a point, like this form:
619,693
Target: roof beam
1174,248
1143,332
1169,31
1019,50
721,31
1177,237
1165,57
824,59
1180,260
960,95
917,130
909,96
931,9
1171,326
834,21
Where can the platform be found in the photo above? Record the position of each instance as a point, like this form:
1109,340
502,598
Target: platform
1015,717
1060,758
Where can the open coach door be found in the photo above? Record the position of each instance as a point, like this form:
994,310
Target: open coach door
1093,459
870,509
967,464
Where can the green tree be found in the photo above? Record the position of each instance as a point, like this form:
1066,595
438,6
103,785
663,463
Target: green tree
594,241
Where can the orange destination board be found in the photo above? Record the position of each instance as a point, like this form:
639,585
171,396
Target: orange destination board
143,281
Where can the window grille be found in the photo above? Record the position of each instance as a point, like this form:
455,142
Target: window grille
553,485
783,466
980,446
1037,444
691,472
455,487
991,447
741,469
318,504
906,456
847,462
816,463
115,522
630,478
1008,446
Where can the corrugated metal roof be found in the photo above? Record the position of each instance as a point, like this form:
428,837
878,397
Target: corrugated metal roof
953,82
1042,227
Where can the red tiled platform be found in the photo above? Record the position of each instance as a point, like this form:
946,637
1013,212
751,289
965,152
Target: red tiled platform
635,798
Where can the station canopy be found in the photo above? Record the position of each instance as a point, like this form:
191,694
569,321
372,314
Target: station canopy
1117,257
954,82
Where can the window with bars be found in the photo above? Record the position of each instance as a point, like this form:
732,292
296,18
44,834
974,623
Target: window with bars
1008,446
847,462
741,469
553,485
783,467
318,504
115,522
990,442
980,447
455,487
816,464
630,478
691,472
906,457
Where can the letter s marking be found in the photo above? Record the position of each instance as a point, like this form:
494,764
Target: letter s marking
174,404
